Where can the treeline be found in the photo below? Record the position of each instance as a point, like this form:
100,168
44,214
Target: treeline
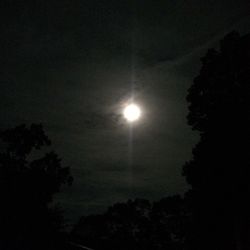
214,213
136,224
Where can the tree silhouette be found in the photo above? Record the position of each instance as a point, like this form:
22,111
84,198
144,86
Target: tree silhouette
136,224
219,173
28,182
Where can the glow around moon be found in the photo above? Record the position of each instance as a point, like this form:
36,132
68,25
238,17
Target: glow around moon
132,112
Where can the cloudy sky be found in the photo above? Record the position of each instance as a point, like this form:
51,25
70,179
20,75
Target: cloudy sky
73,65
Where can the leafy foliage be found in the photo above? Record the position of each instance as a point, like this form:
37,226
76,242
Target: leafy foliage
136,224
219,108
27,186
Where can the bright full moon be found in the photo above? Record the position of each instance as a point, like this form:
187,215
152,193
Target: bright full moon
132,112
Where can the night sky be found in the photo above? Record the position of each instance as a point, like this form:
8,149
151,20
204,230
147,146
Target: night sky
72,65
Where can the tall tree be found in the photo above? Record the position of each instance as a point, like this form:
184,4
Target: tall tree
28,180
219,173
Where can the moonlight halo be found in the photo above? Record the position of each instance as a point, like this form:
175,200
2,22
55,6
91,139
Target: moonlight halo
132,112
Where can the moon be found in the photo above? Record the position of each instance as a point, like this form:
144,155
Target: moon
132,112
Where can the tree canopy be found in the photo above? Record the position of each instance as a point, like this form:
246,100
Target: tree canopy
136,224
29,177
219,109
